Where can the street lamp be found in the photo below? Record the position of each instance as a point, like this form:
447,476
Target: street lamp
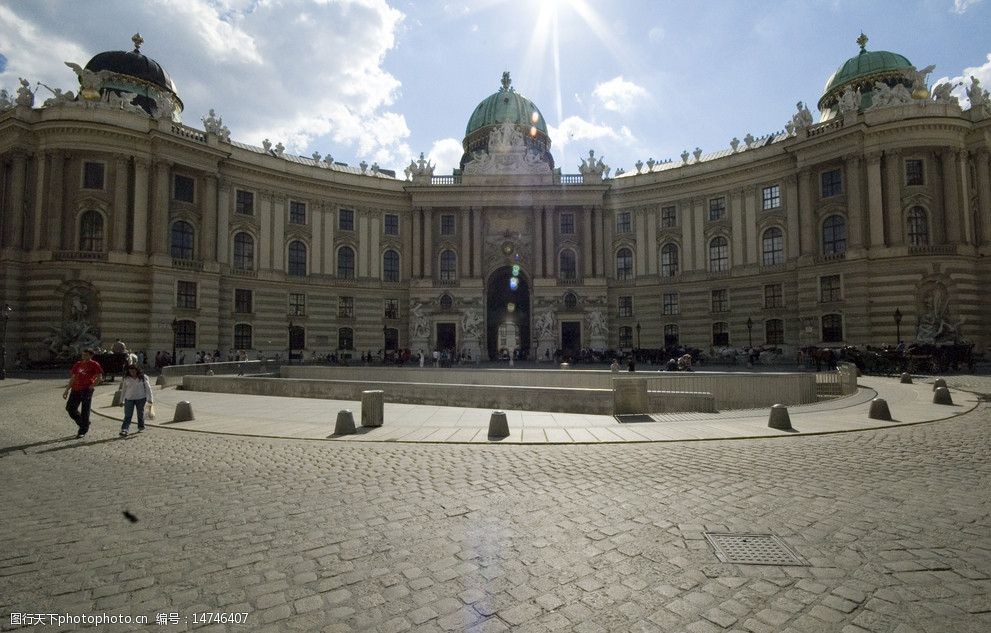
4,317
750,331
289,327
898,325
175,329
638,340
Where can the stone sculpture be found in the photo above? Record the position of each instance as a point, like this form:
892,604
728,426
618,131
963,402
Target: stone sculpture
935,325
918,79
596,323
25,97
544,325
941,93
506,154
418,322
215,125
593,168
471,322
849,101
978,96
420,170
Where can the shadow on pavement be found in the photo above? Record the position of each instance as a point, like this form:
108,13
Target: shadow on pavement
82,443
14,449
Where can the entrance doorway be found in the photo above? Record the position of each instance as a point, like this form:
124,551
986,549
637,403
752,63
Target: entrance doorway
507,302
447,337
571,338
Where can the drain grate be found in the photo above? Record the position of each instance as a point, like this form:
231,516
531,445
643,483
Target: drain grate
633,417
753,549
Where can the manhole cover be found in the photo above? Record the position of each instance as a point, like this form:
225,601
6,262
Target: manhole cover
753,549
633,417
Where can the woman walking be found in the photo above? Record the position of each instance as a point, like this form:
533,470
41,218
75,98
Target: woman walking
135,392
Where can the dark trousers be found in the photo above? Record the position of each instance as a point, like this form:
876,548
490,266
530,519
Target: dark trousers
77,405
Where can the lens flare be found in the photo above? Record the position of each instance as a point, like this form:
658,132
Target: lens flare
534,117
514,283
516,270
510,307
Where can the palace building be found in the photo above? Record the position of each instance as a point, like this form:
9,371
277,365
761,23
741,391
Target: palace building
120,221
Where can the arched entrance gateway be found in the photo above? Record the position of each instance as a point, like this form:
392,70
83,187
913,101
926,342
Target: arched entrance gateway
507,313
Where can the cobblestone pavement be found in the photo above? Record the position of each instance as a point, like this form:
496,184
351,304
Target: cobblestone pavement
895,525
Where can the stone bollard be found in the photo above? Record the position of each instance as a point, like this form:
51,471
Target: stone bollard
779,418
565,366
183,412
372,403
879,410
118,399
906,379
160,380
942,396
345,423
939,382
498,425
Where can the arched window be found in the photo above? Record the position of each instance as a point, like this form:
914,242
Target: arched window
671,335
185,334
242,336
718,254
834,235
182,240
568,268
774,332
570,301
773,246
918,227
720,334
91,232
624,264
669,260
345,263
297,258
448,265
390,265
244,251
625,336
345,338
832,328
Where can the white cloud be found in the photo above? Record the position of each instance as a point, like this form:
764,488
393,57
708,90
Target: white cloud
619,95
445,154
959,6
656,34
575,128
982,73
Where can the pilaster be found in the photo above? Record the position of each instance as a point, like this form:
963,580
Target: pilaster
855,209
119,214
791,203
208,214
951,200
875,205
893,198
736,221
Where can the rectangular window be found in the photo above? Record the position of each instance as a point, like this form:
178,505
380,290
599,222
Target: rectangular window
832,183
183,188
244,202
185,294
914,172
297,304
669,217
829,288
774,332
771,197
391,224
773,296
447,224
720,300
567,224
242,301
345,220
345,307
392,308
669,303
242,336
297,212
92,175
626,306
624,222
671,335
717,208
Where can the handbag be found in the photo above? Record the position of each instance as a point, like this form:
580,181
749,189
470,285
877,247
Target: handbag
150,411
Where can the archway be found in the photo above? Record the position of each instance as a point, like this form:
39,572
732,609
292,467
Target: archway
507,304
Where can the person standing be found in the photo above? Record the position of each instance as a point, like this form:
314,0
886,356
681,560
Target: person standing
84,376
135,392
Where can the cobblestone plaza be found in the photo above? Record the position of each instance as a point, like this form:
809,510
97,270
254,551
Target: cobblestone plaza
893,524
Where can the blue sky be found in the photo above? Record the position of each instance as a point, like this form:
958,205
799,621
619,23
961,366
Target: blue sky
382,81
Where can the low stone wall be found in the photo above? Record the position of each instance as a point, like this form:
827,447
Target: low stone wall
173,374
560,399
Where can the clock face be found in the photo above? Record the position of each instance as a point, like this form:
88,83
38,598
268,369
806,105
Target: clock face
508,248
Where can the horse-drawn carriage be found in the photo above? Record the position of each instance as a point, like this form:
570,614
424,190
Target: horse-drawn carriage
112,364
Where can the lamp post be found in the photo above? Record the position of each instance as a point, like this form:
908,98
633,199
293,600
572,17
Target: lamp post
637,353
4,317
898,326
750,331
175,329
289,326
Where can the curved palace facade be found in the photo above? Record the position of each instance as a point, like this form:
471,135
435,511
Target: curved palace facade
118,221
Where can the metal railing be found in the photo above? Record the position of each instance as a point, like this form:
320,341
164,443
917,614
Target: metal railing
834,384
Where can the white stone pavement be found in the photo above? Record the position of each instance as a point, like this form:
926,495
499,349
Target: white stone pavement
304,418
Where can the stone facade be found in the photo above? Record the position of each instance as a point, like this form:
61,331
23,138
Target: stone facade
815,236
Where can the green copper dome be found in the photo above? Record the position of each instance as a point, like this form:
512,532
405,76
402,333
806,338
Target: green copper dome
864,64
506,105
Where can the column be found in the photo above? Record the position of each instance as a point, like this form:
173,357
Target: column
119,240
208,213
806,214
160,210
687,254
141,176
265,237
538,242
364,243
464,257
548,231
984,197
854,196
792,211
965,211
279,211
329,226
40,188
750,224
587,242
375,251
315,210
951,201
736,220
223,219
651,245
476,232
601,245
56,204
428,242
13,224
416,257
608,256
698,237
640,225
893,197
875,209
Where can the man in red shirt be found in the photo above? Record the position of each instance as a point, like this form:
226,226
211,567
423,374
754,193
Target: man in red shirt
85,374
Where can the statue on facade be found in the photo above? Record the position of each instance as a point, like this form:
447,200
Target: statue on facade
421,169
941,93
918,78
544,325
596,323
25,97
800,120
214,124
506,154
418,322
471,322
267,145
734,144
849,101
978,96
6,102
89,82
593,168
935,325
279,149
76,332
749,140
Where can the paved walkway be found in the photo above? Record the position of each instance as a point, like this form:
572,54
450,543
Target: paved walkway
270,416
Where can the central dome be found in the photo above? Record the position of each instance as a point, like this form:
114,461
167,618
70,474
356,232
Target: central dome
134,72
860,72
506,106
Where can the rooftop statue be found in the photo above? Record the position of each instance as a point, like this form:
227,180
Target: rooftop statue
918,79
89,81
25,97
507,154
420,169
214,124
59,97
593,167
849,101
978,96
6,103
941,93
